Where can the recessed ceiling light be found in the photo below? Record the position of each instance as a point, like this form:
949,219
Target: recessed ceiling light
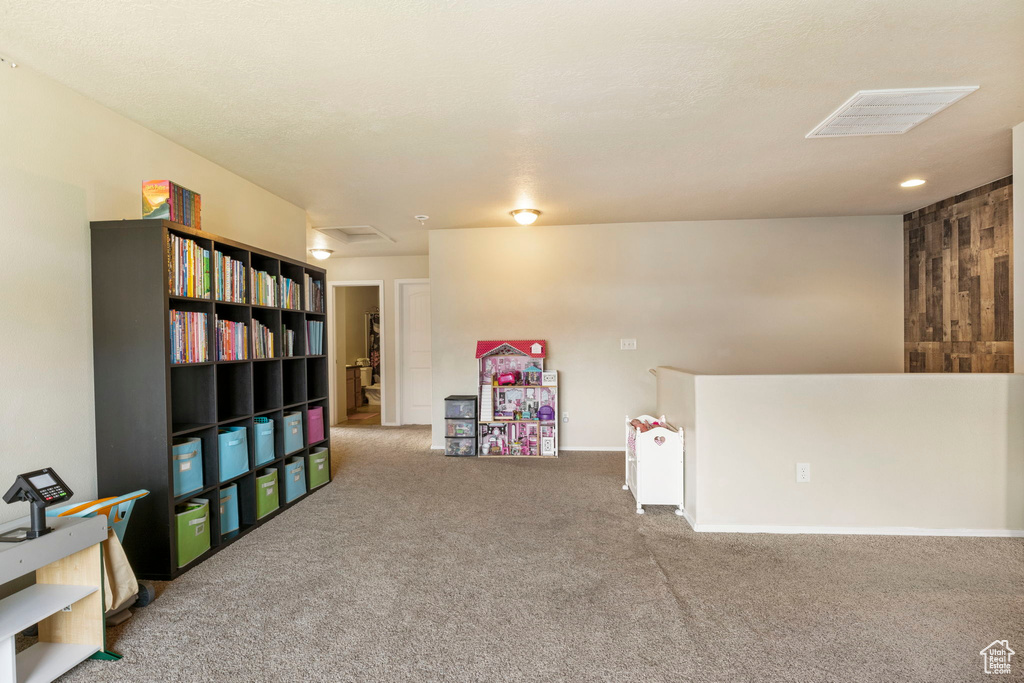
913,182
321,254
525,216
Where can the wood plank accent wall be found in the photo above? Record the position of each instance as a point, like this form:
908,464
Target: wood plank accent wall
958,283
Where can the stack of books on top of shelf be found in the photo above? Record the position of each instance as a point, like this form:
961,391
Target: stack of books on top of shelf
288,341
314,295
170,201
230,279
188,337
314,337
188,268
264,288
232,340
262,340
291,294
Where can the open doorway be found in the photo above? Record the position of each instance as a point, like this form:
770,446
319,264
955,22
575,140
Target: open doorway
358,345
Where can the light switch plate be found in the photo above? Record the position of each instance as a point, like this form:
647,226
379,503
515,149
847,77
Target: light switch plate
627,344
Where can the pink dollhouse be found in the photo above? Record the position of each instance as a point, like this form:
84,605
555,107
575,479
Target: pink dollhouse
518,399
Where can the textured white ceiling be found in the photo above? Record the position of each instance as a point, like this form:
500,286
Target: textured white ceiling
596,111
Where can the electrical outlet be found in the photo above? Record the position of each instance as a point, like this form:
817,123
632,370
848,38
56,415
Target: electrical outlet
803,472
565,416
627,344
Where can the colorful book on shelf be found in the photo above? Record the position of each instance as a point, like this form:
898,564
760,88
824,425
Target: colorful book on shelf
263,287
262,340
232,340
230,278
188,337
188,268
287,342
169,201
314,337
314,294
291,294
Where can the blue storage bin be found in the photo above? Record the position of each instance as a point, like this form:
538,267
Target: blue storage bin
264,440
294,478
293,440
234,452
187,455
229,509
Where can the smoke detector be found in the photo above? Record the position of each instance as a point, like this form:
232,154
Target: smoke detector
888,112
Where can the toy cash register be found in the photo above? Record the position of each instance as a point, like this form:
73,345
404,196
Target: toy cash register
42,489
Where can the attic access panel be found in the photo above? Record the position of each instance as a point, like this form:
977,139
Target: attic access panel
888,112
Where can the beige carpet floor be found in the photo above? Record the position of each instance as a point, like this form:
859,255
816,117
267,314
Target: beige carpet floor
415,567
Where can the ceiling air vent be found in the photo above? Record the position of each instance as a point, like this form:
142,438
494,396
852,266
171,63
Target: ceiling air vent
888,112
355,234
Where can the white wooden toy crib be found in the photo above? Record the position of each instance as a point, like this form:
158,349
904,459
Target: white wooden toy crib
654,464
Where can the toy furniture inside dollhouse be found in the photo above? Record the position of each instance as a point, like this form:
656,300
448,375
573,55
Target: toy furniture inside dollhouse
518,400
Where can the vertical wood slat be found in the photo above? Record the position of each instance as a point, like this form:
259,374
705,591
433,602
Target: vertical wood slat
958,283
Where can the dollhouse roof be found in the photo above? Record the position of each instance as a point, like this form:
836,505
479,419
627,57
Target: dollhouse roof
535,348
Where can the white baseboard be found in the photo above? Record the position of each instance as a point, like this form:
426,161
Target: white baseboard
851,530
689,519
596,449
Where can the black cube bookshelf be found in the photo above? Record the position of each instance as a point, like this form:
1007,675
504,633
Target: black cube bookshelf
144,402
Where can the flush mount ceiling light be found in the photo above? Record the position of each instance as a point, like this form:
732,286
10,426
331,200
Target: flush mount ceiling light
913,182
321,254
422,218
525,216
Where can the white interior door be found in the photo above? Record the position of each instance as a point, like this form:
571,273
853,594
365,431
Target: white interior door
414,310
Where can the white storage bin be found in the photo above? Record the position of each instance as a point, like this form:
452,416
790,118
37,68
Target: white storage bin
654,464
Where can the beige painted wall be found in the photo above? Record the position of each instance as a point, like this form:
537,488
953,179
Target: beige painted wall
388,269
887,452
65,160
1018,249
752,296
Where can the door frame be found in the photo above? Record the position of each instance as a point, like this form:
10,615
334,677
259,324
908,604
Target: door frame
399,284
332,329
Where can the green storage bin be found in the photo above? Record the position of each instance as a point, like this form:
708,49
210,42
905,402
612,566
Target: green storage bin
193,529
319,467
267,497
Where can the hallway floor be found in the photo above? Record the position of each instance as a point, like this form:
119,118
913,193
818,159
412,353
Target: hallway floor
412,566
364,416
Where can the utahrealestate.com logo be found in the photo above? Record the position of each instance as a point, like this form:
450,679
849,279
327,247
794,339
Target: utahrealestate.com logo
997,657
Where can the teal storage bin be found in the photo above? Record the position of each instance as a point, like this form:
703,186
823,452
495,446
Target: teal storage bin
264,437
234,452
293,440
229,509
294,478
187,457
